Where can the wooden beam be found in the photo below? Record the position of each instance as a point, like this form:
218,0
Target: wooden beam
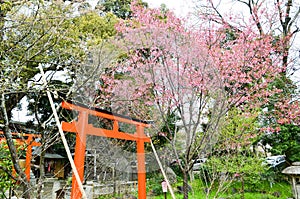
90,130
105,114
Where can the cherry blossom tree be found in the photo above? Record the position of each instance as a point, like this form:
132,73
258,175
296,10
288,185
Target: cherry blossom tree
280,20
199,72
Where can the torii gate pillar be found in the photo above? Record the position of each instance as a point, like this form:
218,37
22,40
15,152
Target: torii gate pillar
141,164
79,157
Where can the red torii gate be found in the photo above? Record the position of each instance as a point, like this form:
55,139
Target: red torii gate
30,142
82,128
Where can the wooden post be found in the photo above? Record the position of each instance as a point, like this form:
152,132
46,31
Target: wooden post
141,168
162,170
63,138
28,157
79,156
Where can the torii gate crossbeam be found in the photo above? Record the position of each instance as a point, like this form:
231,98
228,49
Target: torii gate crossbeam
82,128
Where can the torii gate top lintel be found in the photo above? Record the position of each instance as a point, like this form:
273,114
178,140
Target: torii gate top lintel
82,128
104,113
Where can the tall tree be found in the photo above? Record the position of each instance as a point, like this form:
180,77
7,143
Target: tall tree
46,33
28,37
198,74
280,20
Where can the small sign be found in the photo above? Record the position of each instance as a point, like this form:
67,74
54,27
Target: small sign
164,186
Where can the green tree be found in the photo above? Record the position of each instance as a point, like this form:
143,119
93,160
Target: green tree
7,180
233,157
121,8
27,39
46,33
93,28
284,142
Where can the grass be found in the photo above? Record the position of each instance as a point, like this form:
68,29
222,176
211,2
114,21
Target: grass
280,190
263,190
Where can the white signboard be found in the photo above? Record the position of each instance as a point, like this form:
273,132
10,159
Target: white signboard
164,186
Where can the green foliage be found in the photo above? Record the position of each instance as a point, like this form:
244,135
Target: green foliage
289,89
154,184
6,170
93,28
36,37
33,37
5,166
232,154
264,191
238,133
5,6
285,142
50,35
117,7
120,8
240,166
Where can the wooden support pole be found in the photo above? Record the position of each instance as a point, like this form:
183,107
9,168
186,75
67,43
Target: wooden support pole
95,164
162,170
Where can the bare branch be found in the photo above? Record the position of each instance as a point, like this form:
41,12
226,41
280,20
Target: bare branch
293,21
280,13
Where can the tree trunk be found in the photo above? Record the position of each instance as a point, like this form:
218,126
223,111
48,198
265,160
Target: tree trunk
13,150
243,188
2,17
185,185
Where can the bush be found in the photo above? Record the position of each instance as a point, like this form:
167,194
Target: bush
6,170
154,184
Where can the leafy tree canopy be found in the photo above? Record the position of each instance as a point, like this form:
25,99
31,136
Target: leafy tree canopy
285,142
121,8
93,28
